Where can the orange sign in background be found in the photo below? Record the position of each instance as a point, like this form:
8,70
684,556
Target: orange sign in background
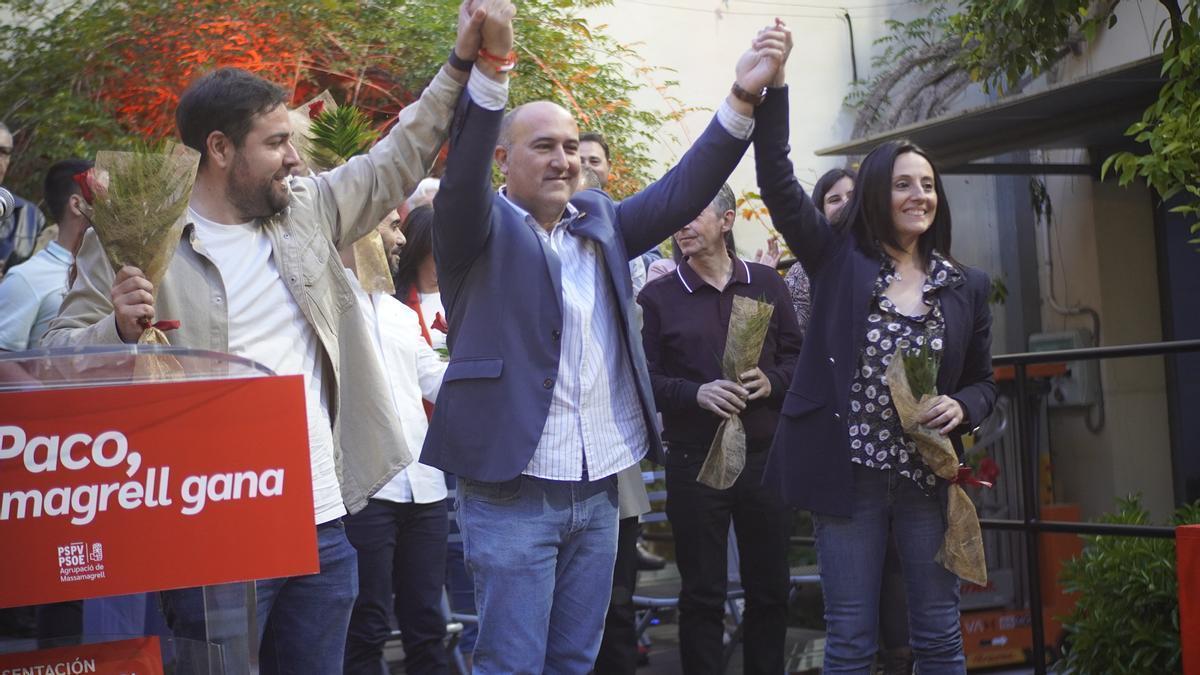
125,489
139,656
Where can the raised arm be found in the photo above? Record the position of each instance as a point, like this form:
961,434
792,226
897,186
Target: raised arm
681,194
463,205
793,213
354,197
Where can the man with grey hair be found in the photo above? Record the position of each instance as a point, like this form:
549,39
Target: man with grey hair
686,319
21,224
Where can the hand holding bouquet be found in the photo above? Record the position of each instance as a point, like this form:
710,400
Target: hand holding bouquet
912,378
138,201
749,321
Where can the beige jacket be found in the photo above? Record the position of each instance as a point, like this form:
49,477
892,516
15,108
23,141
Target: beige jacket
333,208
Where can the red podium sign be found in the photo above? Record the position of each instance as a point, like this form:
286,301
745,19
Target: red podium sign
126,489
139,656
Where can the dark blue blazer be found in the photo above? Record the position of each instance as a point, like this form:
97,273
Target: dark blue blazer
810,457
502,290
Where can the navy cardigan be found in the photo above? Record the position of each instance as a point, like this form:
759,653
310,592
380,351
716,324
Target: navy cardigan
810,456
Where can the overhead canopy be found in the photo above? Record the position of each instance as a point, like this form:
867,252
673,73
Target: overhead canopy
1089,112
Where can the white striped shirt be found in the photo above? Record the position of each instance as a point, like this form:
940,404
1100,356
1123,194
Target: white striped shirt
595,416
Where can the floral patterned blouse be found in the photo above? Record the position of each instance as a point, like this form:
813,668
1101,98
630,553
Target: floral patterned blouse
877,439
798,286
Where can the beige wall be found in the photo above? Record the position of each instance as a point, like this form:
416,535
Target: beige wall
699,50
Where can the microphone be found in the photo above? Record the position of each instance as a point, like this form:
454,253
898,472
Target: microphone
7,202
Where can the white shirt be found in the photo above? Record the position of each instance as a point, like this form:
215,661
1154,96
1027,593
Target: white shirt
431,307
266,325
30,295
595,415
414,372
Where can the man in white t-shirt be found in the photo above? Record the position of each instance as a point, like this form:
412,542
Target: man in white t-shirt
256,273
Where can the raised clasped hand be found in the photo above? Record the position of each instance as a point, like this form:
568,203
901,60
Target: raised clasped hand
759,66
497,30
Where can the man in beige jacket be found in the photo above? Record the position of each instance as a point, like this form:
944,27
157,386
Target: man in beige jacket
257,274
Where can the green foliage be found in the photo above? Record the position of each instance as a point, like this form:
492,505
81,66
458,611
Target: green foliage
1000,43
921,368
1170,128
65,59
1004,40
1126,620
337,134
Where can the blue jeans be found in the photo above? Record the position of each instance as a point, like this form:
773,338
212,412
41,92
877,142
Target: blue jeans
541,553
851,555
302,621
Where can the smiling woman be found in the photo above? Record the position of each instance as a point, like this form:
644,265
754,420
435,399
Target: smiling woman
884,284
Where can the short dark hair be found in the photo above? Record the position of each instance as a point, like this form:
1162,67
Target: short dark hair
598,138
225,100
60,184
869,213
418,235
826,182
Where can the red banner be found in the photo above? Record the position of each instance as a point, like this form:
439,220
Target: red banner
139,656
1187,567
126,489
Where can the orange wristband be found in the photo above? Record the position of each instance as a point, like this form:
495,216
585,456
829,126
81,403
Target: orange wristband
503,64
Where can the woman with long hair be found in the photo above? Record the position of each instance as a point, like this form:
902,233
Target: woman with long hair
416,276
883,280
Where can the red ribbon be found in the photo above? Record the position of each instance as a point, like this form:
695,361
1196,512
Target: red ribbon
164,325
966,476
439,323
84,180
315,108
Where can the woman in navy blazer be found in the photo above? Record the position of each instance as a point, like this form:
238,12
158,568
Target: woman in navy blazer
882,279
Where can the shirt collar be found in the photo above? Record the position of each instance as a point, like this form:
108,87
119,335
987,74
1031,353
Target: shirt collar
691,281
61,254
569,214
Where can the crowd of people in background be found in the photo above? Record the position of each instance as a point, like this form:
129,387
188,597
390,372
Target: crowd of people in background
477,439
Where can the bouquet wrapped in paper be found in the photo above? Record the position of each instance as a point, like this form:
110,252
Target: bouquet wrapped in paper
138,200
912,379
748,323
331,137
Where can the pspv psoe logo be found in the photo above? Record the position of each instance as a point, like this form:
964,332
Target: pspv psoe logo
80,558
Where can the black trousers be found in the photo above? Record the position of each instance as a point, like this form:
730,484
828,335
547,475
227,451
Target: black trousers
401,564
618,647
700,518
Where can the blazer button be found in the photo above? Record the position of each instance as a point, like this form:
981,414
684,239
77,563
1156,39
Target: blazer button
837,416
556,334
548,383
831,361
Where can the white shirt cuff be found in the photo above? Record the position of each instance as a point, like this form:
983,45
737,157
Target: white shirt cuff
486,92
738,125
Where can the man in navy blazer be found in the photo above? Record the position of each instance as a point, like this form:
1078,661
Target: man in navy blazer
546,396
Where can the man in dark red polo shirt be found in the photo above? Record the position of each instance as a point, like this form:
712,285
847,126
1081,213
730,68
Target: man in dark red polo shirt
686,316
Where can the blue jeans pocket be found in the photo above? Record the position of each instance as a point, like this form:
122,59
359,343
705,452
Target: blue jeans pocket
504,492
